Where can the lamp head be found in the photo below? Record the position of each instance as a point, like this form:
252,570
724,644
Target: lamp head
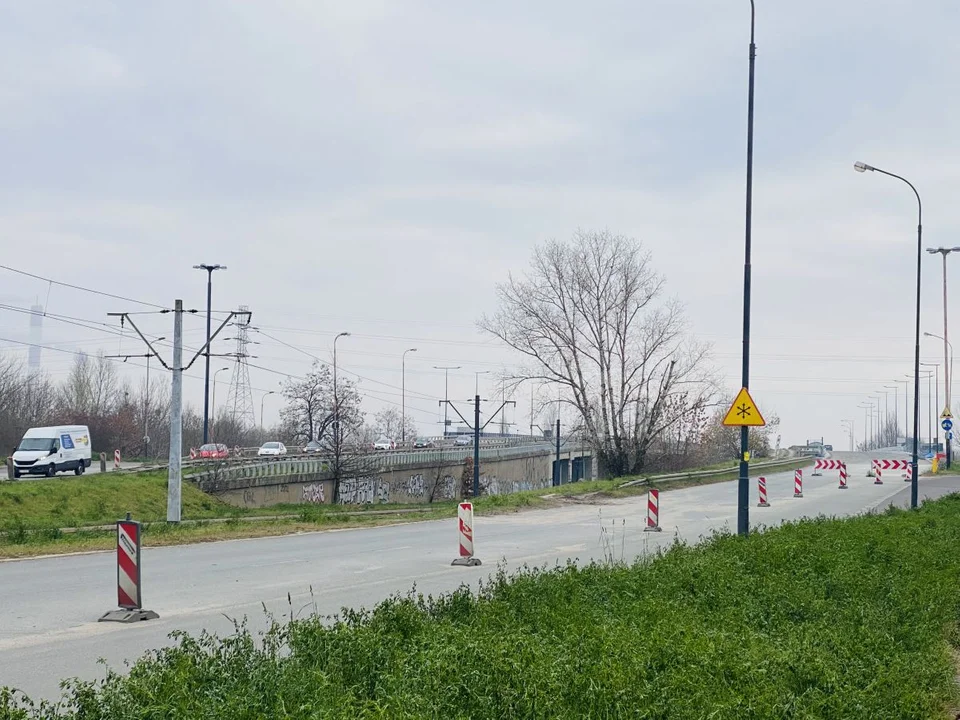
862,167
344,334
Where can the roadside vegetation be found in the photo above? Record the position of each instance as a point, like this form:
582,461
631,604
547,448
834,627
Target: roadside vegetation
42,517
849,619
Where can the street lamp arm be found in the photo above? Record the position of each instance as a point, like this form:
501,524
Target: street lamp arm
753,20
903,179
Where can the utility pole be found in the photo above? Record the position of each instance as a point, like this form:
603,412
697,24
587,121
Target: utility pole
174,503
403,395
476,427
446,394
176,394
206,374
556,464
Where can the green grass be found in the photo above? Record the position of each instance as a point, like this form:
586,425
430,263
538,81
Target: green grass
848,619
97,499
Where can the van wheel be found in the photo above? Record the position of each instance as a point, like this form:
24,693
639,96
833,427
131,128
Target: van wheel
51,470
78,469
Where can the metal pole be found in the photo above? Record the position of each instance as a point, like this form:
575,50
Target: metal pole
946,360
446,394
476,446
936,425
336,398
176,418
206,373
146,409
556,465
403,394
743,487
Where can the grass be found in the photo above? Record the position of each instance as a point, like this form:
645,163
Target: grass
37,517
848,619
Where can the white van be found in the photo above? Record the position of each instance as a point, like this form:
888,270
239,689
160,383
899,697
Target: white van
49,450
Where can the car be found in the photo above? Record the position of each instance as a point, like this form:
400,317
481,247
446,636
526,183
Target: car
463,440
214,451
423,443
312,447
384,444
272,448
49,450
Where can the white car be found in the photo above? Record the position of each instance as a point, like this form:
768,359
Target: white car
384,444
463,440
272,448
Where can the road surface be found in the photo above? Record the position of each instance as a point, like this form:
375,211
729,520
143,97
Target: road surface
50,606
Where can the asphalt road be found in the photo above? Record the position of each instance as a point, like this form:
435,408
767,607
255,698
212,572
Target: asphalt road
48,627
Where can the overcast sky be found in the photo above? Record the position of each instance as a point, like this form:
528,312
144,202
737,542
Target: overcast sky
377,167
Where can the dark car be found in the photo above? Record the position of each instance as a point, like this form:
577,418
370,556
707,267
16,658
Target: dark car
312,447
423,443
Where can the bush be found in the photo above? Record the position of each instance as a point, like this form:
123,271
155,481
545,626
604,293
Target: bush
820,619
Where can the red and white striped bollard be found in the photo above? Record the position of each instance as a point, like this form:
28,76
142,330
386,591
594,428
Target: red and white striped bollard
653,511
762,487
465,536
116,459
877,472
798,483
909,476
843,476
129,597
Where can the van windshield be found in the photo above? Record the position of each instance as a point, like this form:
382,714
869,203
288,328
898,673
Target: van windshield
37,444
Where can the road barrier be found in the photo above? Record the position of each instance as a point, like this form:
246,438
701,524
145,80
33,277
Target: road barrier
909,475
843,476
653,511
129,597
762,483
822,464
465,536
877,473
798,483
116,459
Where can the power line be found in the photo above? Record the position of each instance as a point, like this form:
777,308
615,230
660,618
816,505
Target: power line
79,287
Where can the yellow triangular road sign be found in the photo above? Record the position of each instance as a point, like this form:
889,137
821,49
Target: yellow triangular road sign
744,412
946,413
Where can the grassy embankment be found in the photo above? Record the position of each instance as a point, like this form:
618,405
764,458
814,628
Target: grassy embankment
40,517
848,619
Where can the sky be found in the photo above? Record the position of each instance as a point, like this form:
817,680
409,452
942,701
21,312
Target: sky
378,167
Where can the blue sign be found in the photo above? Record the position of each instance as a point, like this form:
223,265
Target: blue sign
66,442
946,424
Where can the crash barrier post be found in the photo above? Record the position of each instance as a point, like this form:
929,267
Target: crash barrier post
653,511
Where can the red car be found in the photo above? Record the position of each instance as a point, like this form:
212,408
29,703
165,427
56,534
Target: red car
214,451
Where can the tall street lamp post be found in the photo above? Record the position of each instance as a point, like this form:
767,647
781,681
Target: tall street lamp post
947,362
914,483
932,409
213,400
743,484
896,414
206,375
947,369
446,393
865,408
403,394
269,392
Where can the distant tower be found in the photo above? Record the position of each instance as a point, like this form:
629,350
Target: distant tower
36,337
240,400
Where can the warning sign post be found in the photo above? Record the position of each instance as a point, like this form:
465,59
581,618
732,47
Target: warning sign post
129,597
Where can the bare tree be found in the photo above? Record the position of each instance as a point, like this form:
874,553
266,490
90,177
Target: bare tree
309,410
389,423
588,315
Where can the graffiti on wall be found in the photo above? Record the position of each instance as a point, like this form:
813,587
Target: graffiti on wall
413,486
364,491
312,493
492,485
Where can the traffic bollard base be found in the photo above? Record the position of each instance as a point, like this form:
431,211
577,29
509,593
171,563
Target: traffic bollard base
467,561
124,615
878,482
844,487
797,495
653,529
763,504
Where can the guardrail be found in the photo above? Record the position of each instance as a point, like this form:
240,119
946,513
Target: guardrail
772,465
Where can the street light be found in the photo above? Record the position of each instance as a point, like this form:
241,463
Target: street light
206,375
896,414
947,376
213,403
865,407
403,394
932,407
886,416
476,380
849,426
336,399
876,436
146,401
446,394
914,486
269,392
928,374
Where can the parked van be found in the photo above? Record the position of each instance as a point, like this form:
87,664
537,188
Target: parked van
49,450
